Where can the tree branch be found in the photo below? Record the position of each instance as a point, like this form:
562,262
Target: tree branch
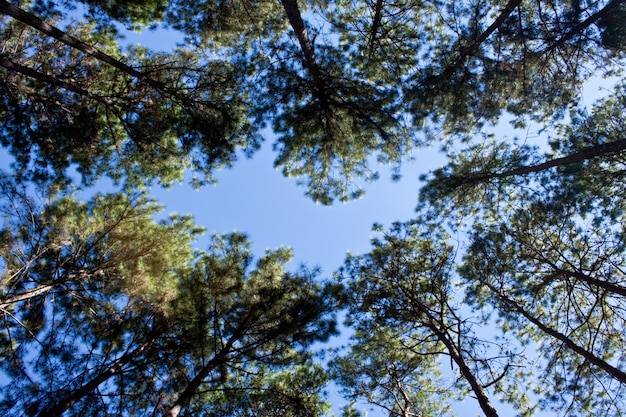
583,25
43,27
53,81
569,343
375,25
473,47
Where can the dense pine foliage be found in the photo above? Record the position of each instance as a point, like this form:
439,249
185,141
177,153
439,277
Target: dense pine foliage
507,288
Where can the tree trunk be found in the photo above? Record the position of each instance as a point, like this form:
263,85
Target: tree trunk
297,24
40,25
220,357
589,356
607,286
76,395
466,372
375,25
42,289
604,149
26,295
185,397
473,47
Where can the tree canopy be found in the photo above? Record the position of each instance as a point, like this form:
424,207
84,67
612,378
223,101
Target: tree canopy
339,83
507,287
105,309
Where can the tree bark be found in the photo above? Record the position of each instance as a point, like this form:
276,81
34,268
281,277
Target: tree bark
604,149
43,27
42,288
26,295
378,11
610,287
297,24
589,356
220,357
607,286
473,47
185,397
466,372
76,395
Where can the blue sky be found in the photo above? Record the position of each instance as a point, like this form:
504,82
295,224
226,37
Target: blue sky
255,198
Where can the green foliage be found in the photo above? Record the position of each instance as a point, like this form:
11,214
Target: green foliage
101,301
543,260
381,370
596,184
236,24
585,167
330,127
545,248
133,14
612,26
475,177
179,112
111,237
403,305
341,94
290,393
105,306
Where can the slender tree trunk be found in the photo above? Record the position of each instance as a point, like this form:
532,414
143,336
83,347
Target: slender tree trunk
40,25
26,295
569,343
466,372
608,286
310,63
76,395
558,271
53,81
378,11
184,398
297,24
221,357
434,322
504,14
605,149
42,289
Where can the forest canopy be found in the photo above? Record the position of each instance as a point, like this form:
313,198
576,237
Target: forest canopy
506,287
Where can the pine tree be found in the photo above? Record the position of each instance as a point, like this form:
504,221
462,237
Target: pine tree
107,310
405,308
372,83
545,248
